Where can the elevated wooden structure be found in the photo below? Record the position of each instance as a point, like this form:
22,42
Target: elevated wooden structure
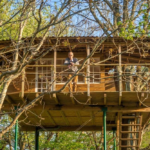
83,110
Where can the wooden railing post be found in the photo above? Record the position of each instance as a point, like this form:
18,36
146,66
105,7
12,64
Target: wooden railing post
88,71
36,80
54,69
120,76
23,83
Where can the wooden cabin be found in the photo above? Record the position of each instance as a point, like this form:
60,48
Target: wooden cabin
83,110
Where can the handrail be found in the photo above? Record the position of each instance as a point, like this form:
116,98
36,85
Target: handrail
129,64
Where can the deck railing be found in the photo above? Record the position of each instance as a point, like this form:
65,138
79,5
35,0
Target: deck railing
124,77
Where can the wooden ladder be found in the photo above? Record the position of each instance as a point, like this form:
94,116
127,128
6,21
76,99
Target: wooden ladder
130,131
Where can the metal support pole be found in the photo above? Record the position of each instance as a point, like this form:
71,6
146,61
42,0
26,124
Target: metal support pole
104,127
36,139
114,136
16,132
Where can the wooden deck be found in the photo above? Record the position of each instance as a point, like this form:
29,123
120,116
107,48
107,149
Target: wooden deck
64,113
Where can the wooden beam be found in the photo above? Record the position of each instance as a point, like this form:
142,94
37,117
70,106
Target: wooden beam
66,128
86,108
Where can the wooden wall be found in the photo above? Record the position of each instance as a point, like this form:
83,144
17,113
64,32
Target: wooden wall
31,71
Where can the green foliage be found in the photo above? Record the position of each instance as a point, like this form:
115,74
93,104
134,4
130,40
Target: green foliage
139,28
11,29
145,141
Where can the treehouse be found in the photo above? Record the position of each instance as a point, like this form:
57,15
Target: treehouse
112,88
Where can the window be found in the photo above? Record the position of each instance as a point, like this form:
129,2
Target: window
43,75
95,72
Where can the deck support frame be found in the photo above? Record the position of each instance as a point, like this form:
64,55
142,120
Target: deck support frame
36,139
114,136
16,132
104,127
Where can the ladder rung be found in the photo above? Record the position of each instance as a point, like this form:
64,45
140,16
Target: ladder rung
130,131
130,124
129,117
127,146
128,139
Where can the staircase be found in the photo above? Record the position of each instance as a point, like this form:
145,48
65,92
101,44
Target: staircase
130,131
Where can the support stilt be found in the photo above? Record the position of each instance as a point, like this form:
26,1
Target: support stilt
36,139
104,125
16,133
114,136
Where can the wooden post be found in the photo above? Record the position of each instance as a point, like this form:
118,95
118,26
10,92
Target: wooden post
36,78
23,83
54,69
88,70
118,130
120,76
